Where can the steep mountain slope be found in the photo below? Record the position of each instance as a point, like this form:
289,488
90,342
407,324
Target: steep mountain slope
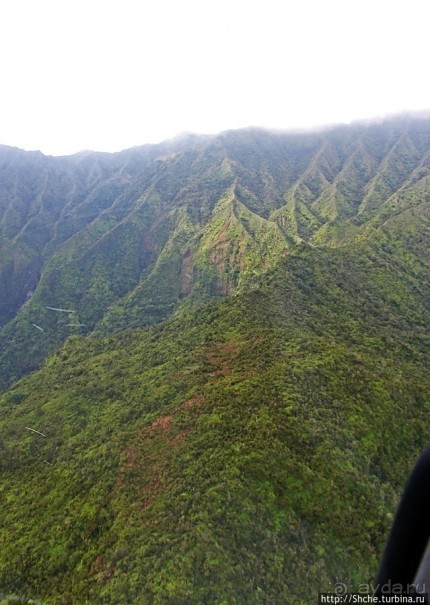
251,451
126,239
46,200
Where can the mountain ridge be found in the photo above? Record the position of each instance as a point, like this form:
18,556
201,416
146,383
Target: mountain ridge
220,373
323,189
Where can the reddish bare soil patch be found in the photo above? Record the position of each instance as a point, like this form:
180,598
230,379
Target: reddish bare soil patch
212,358
219,357
227,347
160,425
180,437
194,402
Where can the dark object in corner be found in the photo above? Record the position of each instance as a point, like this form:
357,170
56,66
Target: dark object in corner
409,537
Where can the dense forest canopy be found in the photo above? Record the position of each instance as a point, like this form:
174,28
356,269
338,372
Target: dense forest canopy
214,362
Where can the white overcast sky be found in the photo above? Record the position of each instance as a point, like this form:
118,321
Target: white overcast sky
106,75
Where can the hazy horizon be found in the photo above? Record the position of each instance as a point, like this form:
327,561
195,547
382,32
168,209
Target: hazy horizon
422,114
108,76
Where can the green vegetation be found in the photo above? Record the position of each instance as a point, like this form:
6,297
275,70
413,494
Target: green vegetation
127,239
250,452
247,449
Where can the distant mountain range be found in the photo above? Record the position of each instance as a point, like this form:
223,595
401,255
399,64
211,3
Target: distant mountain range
232,333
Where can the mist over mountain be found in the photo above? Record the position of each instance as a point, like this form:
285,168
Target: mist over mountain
214,356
